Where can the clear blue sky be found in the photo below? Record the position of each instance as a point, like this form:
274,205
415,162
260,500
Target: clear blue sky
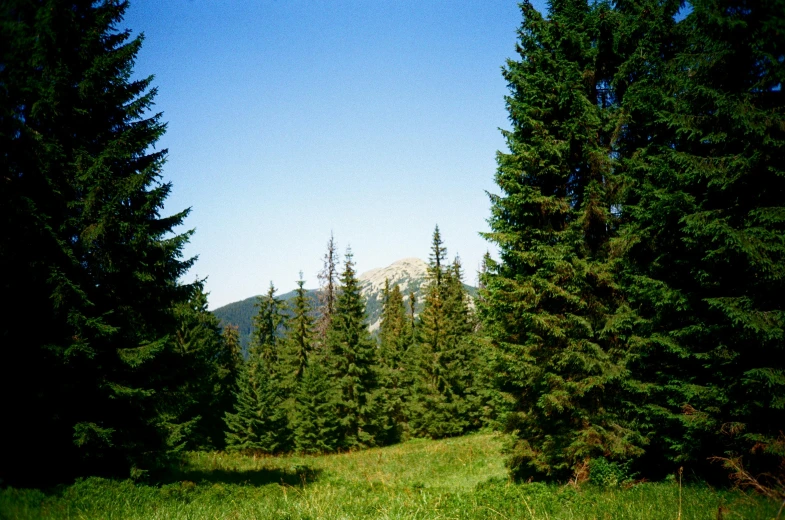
376,119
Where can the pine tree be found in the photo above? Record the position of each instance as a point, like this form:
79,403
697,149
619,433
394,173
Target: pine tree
412,304
300,334
444,398
229,362
259,422
210,370
704,249
393,343
353,363
393,326
551,306
430,411
328,291
462,373
268,327
91,255
316,425
261,418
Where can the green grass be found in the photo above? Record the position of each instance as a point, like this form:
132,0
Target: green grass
454,478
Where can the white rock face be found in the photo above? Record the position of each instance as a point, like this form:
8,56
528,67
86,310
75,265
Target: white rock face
409,274
398,272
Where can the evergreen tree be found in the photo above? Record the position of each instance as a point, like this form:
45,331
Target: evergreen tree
316,424
705,256
211,366
393,342
444,398
412,318
89,251
229,362
263,405
352,358
328,283
268,326
259,422
551,306
299,337
430,410
393,328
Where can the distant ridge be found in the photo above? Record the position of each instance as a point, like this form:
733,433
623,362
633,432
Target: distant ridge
408,273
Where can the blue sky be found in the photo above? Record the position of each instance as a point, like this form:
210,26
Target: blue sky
289,119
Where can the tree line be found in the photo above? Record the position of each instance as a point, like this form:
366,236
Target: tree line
318,381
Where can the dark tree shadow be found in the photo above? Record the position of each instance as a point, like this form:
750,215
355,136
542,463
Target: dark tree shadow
297,476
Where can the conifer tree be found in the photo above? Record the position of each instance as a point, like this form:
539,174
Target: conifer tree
353,363
316,425
259,422
444,398
429,409
704,242
328,287
211,365
412,304
91,254
393,327
299,337
393,342
268,327
551,306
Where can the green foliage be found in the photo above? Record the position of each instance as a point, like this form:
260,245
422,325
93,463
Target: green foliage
447,395
635,308
259,422
551,306
211,362
90,254
705,250
605,473
351,355
316,423
299,336
268,326
393,344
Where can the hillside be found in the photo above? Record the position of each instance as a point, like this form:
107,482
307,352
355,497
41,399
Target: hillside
408,273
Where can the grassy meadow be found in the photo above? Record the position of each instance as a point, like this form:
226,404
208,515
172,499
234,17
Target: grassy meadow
461,478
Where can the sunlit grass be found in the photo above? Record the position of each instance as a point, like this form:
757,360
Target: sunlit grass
462,478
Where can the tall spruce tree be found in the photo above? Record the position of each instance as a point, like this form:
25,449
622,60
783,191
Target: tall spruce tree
269,325
328,287
430,409
705,257
89,253
393,327
316,424
353,363
443,396
300,334
393,343
259,422
550,305
211,365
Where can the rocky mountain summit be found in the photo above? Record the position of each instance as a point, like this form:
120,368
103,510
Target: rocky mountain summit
409,274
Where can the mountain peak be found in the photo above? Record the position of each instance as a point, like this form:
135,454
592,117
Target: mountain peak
408,274
400,271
